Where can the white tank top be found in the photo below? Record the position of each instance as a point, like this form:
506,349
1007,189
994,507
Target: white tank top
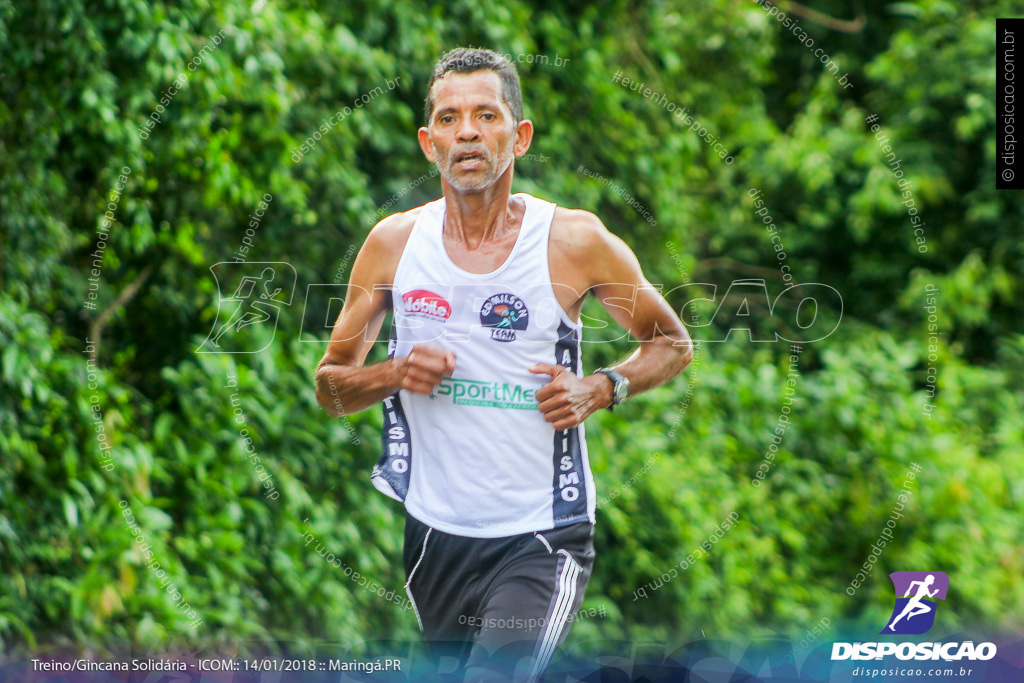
476,457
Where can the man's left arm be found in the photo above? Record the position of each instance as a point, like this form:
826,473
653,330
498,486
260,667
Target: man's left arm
611,271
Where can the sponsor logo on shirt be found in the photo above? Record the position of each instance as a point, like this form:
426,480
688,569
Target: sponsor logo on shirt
423,303
504,313
472,392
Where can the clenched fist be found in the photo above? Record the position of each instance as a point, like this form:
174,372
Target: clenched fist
566,401
423,369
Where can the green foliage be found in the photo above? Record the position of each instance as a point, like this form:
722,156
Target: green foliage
161,429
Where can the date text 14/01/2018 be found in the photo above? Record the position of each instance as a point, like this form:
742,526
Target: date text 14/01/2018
274,664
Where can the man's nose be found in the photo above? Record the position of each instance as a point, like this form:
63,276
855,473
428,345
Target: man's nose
467,130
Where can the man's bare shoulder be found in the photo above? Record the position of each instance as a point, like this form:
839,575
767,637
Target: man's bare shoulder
579,237
382,250
581,246
577,230
393,232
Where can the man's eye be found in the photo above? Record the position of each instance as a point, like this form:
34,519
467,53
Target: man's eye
446,119
488,116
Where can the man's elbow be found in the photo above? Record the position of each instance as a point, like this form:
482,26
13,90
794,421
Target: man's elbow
327,393
682,348
684,351
331,405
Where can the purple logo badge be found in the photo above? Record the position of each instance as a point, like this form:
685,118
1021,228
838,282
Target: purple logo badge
917,594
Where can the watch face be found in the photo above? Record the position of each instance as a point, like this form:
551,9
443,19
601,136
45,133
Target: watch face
621,390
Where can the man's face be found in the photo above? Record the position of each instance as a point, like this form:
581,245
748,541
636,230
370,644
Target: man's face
470,135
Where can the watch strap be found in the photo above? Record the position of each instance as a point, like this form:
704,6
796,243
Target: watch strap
617,380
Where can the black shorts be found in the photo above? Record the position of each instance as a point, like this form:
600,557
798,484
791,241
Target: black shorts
497,605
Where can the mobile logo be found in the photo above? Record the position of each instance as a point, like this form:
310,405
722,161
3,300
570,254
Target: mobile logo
426,304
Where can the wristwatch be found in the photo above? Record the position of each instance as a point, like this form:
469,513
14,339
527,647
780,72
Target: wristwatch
620,388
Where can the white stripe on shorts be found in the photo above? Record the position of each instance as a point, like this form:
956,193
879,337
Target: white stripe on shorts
408,590
560,614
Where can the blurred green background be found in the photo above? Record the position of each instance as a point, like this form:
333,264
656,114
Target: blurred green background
78,81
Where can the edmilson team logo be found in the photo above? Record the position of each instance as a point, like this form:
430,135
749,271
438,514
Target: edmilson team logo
504,314
916,601
423,303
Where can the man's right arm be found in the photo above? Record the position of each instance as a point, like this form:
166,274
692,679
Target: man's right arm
343,384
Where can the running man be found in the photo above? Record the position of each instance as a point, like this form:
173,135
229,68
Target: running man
484,394
914,606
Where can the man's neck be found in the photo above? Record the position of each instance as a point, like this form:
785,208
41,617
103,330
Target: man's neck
475,218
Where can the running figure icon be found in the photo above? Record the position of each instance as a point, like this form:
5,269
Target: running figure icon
250,310
915,606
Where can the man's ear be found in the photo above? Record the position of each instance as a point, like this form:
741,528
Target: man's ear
524,136
428,148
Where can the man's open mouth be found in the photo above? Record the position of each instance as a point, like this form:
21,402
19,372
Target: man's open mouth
469,158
